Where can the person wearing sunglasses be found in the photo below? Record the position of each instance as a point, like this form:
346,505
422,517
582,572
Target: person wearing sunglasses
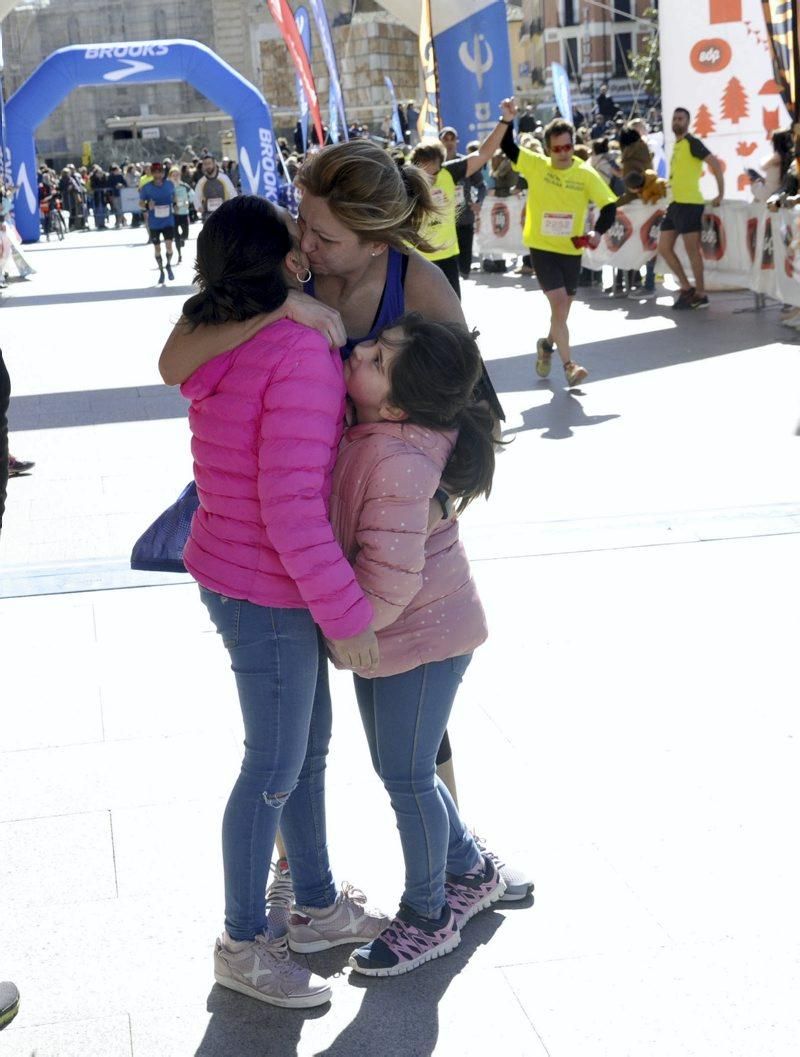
560,189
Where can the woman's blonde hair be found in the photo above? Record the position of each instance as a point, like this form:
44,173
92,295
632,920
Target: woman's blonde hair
369,194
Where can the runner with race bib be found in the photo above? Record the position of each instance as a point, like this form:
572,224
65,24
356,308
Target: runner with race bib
157,199
560,189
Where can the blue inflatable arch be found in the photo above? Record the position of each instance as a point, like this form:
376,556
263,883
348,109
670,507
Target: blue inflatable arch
141,62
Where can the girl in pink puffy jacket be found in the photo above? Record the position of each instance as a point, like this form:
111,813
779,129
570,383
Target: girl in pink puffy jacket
412,391
266,421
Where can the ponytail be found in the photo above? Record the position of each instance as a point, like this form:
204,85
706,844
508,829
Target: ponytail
470,468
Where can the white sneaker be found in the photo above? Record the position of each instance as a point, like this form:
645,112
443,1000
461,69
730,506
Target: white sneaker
518,882
280,896
262,969
348,921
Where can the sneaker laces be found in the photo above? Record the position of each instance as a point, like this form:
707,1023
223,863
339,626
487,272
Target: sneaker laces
351,894
277,950
484,850
281,892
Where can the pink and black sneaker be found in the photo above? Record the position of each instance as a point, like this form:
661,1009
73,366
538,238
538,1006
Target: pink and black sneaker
472,892
410,941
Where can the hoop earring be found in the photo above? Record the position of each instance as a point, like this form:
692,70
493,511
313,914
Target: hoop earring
304,276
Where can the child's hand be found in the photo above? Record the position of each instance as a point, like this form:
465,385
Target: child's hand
358,652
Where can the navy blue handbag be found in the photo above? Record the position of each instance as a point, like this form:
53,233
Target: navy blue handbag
160,548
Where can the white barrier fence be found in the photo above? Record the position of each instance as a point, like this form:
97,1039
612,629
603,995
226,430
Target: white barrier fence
743,245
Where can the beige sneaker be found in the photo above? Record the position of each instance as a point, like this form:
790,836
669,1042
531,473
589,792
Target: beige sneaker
262,969
544,355
575,374
348,921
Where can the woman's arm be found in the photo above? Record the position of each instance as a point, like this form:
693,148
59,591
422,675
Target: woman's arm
427,291
188,349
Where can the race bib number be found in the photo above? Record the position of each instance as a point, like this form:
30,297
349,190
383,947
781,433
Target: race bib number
460,196
557,223
161,212
439,197
212,204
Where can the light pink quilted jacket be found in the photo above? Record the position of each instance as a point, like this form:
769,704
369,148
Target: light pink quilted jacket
425,602
266,420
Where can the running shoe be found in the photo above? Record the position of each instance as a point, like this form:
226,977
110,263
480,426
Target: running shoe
518,883
473,892
575,374
9,1003
544,354
409,941
262,969
170,273
160,277
699,302
683,300
18,466
280,896
349,920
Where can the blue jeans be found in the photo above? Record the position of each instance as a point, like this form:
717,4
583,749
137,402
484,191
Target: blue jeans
281,673
405,717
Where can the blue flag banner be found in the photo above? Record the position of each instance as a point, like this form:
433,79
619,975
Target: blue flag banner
304,29
338,120
396,126
474,63
561,90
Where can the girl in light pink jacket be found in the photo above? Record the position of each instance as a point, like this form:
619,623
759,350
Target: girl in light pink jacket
412,391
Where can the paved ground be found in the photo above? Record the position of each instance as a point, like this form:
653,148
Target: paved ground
630,731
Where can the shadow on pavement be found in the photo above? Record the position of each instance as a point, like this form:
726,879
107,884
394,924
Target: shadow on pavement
559,419
99,295
398,1016
93,407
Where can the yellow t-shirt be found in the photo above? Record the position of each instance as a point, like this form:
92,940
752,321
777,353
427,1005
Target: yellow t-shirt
557,201
440,231
685,170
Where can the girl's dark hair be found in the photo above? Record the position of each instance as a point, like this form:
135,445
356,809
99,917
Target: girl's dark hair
240,253
628,136
433,379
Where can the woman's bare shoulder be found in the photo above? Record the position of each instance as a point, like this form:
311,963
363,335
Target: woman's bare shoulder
428,292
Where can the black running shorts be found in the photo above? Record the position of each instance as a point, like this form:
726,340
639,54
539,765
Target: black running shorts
683,218
156,234
557,271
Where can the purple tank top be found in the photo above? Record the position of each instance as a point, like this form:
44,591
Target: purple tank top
393,301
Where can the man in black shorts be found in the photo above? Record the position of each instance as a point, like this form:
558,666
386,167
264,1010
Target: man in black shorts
560,189
685,211
157,199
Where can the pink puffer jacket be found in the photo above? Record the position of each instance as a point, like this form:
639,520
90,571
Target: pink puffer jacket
266,420
425,601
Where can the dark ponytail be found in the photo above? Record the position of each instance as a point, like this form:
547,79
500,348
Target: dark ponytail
239,267
433,379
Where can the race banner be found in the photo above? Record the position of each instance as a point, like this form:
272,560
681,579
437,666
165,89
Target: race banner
727,239
337,123
470,38
716,61
428,121
284,19
561,90
396,126
786,245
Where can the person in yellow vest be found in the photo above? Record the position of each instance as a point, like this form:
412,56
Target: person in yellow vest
560,190
685,212
430,155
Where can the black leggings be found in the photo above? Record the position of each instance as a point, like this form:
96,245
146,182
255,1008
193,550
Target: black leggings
181,230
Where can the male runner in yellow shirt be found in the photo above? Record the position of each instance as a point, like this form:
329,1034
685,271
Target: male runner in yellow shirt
685,212
560,189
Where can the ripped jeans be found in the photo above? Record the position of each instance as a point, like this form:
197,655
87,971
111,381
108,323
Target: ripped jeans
281,670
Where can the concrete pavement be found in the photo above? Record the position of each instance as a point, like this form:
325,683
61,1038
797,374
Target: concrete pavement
630,730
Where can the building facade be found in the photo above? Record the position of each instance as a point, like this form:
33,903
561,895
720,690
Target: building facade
593,41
